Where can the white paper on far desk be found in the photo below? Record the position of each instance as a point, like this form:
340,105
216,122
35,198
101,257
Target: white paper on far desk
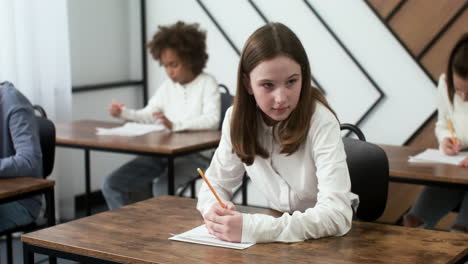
200,235
130,129
435,155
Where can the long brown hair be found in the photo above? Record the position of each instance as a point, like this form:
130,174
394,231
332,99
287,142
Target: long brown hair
268,42
458,64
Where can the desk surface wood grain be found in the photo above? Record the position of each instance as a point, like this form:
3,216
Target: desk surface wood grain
16,186
435,172
83,133
139,234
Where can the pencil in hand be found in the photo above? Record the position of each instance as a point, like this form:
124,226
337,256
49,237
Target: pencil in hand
211,188
452,132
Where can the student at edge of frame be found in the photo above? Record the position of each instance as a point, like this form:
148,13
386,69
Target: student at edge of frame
452,133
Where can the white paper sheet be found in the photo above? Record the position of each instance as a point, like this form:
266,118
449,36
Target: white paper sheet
130,129
200,235
435,155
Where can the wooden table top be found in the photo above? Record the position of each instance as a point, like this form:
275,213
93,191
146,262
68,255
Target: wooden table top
139,233
16,186
83,133
433,172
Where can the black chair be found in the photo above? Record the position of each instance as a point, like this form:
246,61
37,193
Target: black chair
369,173
226,102
47,143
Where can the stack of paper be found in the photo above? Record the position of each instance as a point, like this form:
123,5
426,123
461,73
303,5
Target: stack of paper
200,235
130,129
435,155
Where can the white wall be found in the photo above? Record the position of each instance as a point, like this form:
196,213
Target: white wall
105,47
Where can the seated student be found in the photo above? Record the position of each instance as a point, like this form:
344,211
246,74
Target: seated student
20,153
188,100
435,202
282,132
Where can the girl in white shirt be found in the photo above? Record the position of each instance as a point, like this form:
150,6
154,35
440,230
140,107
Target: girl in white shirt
188,100
435,202
283,133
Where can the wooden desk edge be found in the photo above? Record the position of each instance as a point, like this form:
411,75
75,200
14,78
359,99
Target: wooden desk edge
459,257
38,241
35,185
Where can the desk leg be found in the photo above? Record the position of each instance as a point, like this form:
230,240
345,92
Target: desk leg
87,182
50,201
170,175
49,197
28,255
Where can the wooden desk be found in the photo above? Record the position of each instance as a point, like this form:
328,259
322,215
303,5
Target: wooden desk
139,233
82,134
14,189
444,175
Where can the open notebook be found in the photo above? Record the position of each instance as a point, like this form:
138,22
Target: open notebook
435,155
200,235
130,129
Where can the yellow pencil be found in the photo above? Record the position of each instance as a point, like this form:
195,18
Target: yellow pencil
452,131
211,188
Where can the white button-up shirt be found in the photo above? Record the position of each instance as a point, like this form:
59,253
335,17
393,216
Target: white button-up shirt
193,106
458,113
311,186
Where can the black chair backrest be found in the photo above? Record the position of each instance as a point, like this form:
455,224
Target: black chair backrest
369,173
40,110
47,141
226,102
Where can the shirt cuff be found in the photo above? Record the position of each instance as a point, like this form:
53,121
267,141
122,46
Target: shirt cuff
258,228
124,115
247,233
177,126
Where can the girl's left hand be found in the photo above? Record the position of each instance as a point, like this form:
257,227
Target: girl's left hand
163,119
464,163
225,224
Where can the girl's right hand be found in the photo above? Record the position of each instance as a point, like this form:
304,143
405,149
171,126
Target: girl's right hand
115,109
449,148
225,224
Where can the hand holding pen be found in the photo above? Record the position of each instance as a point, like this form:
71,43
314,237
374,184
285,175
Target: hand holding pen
222,220
451,145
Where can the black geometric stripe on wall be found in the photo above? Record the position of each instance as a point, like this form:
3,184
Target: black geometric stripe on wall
420,56
395,10
401,42
265,19
231,43
226,37
441,32
356,62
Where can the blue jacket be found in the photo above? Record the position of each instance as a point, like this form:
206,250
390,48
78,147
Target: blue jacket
20,151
